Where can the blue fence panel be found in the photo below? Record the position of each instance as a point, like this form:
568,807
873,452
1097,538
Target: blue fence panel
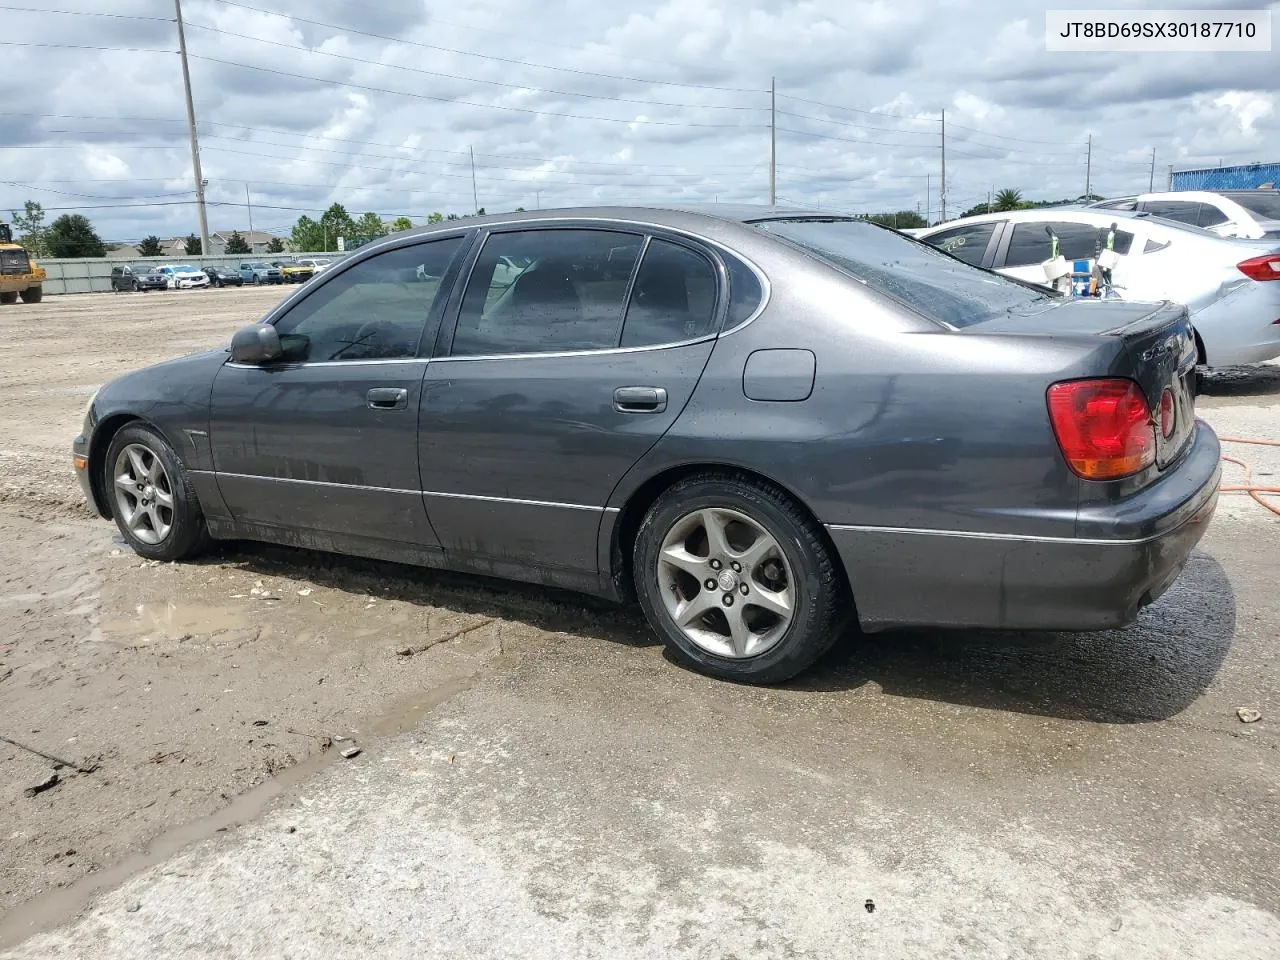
1248,177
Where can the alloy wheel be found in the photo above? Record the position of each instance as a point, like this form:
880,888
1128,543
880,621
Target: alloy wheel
144,493
726,583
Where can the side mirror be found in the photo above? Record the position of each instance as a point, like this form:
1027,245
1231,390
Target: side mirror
256,343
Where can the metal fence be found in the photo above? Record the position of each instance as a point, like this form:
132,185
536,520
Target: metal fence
94,276
1244,177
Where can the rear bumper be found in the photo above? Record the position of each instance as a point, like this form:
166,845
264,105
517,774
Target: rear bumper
937,578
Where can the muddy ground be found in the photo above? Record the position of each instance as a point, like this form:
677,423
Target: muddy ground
185,686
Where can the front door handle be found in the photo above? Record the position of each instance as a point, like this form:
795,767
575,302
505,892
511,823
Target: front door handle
387,398
640,399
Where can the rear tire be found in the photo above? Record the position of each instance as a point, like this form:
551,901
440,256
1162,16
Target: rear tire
9,297
33,294
777,600
154,505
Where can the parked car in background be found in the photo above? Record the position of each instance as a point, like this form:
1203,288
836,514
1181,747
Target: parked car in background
295,271
224,277
1232,287
135,277
317,265
1248,214
259,271
772,423
183,276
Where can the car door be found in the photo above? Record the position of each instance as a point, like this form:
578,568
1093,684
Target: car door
553,383
325,439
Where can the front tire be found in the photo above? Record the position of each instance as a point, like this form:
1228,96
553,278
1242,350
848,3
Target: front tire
10,296
154,505
738,579
33,294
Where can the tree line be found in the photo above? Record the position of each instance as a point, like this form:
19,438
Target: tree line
73,236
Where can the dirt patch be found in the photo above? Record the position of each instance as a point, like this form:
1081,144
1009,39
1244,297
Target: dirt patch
186,685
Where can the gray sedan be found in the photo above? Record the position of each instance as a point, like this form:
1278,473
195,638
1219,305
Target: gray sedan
761,424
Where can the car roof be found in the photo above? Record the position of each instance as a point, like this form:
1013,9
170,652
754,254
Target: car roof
687,216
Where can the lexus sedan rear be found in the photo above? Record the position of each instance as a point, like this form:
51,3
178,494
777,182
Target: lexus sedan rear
762,425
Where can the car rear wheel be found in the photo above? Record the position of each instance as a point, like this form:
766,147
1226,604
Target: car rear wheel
152,500
10,296
737,579
32,294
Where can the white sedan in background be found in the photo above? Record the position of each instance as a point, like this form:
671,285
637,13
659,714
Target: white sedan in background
183,276
1231,287
1248,214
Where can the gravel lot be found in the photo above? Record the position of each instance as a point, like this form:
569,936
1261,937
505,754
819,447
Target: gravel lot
537,780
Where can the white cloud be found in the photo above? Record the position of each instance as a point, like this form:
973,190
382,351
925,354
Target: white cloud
860,84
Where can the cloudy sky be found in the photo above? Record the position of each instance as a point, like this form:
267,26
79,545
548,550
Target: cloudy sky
378,105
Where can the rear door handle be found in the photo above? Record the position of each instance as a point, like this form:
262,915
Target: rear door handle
640,399
387,398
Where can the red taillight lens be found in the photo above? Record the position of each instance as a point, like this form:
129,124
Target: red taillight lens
1261,268
1103,427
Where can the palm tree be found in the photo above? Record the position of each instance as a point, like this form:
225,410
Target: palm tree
1008,199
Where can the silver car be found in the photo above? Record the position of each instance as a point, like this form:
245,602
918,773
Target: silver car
1231,287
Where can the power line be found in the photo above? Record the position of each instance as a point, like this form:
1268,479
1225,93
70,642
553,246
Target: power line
495,83
86,13
295,133
82,46
467,103
484,56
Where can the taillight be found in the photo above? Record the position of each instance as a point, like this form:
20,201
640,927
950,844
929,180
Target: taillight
1261,268
1103,426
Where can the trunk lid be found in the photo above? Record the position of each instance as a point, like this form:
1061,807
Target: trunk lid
1159,352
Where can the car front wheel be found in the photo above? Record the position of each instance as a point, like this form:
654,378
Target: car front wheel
737,579
152,500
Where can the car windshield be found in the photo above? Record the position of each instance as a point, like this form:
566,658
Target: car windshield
921,276
1264,203
258,266
143,268
185,268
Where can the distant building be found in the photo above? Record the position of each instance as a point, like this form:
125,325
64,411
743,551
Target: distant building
257,240
1245,177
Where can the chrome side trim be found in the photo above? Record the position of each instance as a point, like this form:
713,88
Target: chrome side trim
296,364
976,535
313,483
523,503
608,351
423,493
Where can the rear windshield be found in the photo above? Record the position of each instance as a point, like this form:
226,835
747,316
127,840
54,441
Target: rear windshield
1264,203
931,282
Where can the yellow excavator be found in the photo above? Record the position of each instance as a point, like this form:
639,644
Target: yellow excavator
19,275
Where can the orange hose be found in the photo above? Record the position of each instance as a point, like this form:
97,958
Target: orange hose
1249,486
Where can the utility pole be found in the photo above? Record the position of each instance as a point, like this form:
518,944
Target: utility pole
475,197
942,190
989,195
1088,166
1170,184
773,141
1151,181
537,195
928,198
249,204
191,128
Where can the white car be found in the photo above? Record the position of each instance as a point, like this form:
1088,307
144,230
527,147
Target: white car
316,265
183,276
1248,214
1230,287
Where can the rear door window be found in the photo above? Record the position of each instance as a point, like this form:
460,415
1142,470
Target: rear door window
1031,244
1210,216
969,243
673,298
546,291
